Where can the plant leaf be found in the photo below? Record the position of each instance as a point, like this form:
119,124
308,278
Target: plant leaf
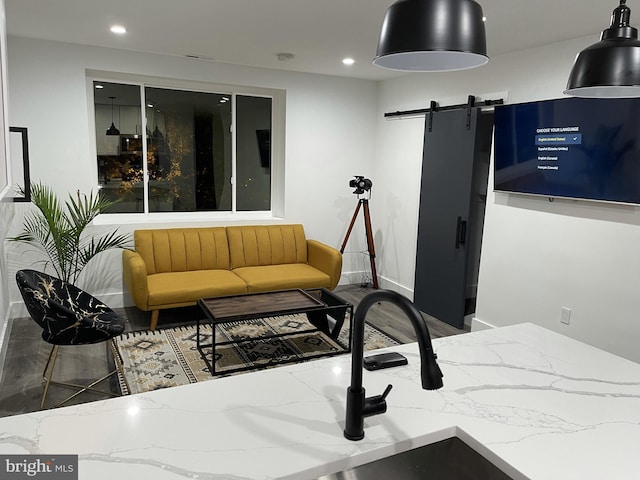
59,232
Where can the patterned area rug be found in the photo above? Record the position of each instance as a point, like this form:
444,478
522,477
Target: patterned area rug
169,357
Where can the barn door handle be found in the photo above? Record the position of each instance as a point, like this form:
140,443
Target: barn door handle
461,232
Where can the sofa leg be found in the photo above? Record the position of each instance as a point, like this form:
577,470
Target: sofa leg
154,319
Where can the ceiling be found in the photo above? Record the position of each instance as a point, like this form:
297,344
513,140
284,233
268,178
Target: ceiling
320,33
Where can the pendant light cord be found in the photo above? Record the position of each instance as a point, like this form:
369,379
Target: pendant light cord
112,99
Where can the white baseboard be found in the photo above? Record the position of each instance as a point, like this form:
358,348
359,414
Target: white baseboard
477,324
351,278
468,320
385,283
354,278
18,310
116,300
5,333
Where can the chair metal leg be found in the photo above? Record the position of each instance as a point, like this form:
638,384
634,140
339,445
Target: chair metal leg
81,388
53,355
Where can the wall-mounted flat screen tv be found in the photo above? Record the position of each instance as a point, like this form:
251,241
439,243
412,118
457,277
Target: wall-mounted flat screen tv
573,148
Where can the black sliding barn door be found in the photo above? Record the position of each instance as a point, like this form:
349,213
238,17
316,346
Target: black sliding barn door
445,210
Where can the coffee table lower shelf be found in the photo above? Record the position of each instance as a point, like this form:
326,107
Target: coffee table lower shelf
322,308
208,353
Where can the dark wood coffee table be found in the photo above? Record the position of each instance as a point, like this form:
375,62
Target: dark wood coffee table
324,309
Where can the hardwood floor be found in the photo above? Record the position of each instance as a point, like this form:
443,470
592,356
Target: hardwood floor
390,319
21,382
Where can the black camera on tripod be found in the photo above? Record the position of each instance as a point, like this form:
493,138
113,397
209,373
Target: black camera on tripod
360,184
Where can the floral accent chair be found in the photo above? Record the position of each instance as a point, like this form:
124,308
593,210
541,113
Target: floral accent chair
69,316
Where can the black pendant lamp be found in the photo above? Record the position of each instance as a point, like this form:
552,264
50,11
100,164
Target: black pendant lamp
611,67
432,36
112,130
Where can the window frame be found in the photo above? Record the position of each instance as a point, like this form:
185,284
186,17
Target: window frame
278,126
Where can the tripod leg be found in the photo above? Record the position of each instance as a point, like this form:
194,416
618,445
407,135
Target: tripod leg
353,220
372,252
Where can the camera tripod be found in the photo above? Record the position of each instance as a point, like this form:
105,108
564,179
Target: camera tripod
367,225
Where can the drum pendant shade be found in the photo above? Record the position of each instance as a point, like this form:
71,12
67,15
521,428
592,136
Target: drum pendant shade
611,67
432,36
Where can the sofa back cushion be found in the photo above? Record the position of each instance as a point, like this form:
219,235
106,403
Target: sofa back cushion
256,245
183,249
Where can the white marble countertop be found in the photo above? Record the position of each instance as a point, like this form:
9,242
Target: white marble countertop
548,406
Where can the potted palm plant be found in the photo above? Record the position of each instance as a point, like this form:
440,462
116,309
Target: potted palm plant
59,231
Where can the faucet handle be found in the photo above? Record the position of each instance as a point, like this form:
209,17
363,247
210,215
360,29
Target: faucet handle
376,404
386,392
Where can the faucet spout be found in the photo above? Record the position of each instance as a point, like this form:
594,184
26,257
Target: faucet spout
358,406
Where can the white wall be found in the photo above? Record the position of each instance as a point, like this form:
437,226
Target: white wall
330,127
537,256
7,211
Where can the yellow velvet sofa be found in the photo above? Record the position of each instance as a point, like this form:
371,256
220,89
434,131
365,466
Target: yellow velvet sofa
174,267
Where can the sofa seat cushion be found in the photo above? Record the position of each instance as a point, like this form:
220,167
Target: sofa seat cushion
281,277
179,288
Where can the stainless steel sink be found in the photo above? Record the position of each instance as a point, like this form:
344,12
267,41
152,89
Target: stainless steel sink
449,459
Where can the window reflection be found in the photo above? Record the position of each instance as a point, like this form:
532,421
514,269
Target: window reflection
187,146
120,155
189,154
254,153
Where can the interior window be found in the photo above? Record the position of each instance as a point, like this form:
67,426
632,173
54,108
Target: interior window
174,150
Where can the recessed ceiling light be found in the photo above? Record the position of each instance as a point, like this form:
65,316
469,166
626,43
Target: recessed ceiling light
118,29
348,61
99,86
150,105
